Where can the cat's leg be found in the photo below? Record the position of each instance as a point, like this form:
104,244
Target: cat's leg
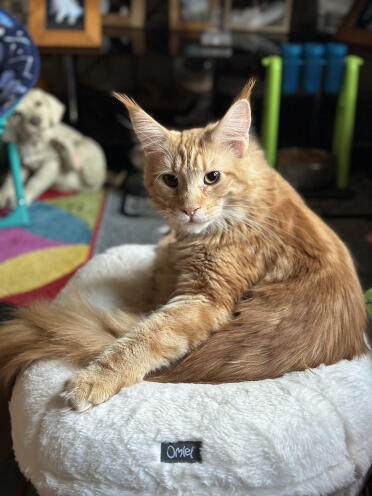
202,303
200,306
164,336
274,332
122,322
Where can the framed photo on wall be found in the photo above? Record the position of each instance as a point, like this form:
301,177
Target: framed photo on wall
356,28
125,13
193,15
71,24
265,16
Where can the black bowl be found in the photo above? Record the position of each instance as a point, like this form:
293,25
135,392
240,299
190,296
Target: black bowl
305,168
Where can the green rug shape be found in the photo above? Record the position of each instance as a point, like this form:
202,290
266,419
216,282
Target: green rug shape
86,206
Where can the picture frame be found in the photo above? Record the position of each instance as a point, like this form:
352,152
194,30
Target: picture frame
229,23
54,29
135,19
177,23
356,28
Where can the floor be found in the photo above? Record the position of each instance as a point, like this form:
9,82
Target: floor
117,229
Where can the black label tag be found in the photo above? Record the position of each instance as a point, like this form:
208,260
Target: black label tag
181,452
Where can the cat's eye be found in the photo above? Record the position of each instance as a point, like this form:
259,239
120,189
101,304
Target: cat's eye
212,177
170,180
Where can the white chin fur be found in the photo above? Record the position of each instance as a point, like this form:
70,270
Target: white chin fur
180,225
195,227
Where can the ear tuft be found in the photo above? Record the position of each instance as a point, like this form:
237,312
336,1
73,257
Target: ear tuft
232,132
246,92
128,102
150,133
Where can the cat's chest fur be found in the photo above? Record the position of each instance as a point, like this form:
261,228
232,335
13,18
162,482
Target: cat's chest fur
165,270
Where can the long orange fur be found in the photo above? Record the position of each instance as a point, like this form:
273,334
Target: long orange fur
254,287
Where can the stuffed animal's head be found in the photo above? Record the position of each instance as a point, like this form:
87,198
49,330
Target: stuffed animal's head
37,112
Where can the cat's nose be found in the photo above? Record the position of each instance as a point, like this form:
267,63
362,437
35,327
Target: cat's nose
190,211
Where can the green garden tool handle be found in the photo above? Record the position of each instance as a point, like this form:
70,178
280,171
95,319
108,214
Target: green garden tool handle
345,118
271,106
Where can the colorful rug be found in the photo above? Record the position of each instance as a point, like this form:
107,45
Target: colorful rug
37,261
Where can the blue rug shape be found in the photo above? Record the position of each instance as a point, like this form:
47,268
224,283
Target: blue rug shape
56,224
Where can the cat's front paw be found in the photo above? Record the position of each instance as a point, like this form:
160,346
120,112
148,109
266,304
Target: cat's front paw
90,387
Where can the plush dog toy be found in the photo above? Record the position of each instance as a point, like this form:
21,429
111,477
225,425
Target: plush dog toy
53,155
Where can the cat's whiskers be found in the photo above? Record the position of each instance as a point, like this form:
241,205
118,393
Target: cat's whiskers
257,227
220,227
262,235
218,223
227,230
248,221
264,208
275,226
215,220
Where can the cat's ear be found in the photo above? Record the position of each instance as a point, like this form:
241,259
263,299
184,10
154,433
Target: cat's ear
150,133
232,132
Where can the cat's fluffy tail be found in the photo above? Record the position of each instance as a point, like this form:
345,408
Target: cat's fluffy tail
76,332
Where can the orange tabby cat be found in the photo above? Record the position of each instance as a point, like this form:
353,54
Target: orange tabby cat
250,283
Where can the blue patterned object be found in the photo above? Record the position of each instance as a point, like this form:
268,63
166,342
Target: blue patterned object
19,62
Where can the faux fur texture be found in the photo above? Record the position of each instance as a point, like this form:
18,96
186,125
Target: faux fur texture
306,433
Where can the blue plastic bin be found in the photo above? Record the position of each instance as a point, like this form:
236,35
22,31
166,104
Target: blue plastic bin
334,69
312,71
291,55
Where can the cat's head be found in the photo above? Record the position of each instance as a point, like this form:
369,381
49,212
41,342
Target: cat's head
194,175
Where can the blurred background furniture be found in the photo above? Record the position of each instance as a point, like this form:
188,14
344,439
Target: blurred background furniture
341,78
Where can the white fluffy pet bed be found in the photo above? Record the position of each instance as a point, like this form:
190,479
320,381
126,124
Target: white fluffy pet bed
307,433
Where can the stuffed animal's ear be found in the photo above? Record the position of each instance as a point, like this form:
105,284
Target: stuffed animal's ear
150,133
57,109
232,132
